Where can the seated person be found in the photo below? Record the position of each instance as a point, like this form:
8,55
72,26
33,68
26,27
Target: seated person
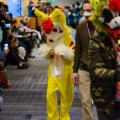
4,82
1,59
34,33
14,55
71,19
24,41
22,48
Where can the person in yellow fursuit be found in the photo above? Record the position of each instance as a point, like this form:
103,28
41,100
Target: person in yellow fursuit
59,49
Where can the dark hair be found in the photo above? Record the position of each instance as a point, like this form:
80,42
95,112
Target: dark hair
77,3
6,6
11,16
30,2
21,21
1,4
25,23
14,21
56,6
86,1
10,39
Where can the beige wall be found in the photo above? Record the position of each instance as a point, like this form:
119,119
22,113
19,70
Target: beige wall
32,22
64,2
26,3
5,1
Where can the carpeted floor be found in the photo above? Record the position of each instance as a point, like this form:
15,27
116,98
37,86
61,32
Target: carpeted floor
25,100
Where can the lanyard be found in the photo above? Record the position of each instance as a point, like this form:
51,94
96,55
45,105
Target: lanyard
89,30
57,59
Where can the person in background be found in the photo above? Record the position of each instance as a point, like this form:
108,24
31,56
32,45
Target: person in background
2,18
2,23
9,18
1,103
38,22
104,59
13,57
80,69
77,11
4,82
34,33
71,19
14,22
30,11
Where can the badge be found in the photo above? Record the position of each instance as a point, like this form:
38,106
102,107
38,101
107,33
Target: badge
58,70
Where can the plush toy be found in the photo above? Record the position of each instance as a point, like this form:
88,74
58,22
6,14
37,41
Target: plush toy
59,49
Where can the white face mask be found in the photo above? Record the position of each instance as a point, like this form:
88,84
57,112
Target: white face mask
87,13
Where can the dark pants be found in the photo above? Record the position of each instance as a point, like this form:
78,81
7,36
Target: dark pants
28,44
12,58
116,115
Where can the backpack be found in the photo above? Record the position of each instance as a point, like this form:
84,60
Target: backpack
4,83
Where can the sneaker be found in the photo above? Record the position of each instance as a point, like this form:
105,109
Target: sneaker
38,45
5,70
23,67
31,56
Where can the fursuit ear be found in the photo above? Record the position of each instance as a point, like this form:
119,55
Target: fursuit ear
42,16
58,16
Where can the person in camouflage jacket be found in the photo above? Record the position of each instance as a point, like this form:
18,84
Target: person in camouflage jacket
102,65
104,59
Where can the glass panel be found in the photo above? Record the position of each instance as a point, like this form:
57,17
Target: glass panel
16,7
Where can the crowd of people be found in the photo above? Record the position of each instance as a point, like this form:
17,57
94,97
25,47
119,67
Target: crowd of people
72,12
16,43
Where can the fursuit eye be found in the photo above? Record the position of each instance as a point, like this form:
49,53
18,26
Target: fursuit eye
57,29
107,15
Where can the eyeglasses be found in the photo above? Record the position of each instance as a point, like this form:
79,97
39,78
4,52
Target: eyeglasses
88,10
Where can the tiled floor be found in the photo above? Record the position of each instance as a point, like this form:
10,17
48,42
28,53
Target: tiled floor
25,100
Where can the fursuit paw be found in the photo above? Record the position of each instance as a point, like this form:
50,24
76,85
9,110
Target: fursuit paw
44,50
64,51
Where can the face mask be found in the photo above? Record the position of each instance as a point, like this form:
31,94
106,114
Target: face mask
87,15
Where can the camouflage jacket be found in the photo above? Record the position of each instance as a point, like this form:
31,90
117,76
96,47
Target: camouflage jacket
102,65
